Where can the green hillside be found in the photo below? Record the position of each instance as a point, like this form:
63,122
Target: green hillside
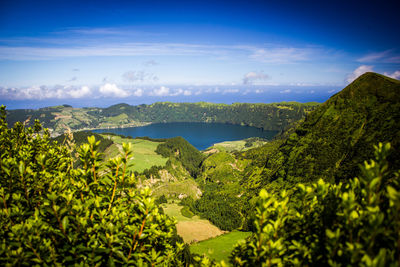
340,134
275,116
182,150
331,144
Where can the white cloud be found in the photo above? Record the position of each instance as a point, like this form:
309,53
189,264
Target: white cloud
112,90
139,76
36,52
394,75
252,77
357,72
386,56
81,92
45,92
287,91
65,46
179,91
258,91
281,55
138,92
162,91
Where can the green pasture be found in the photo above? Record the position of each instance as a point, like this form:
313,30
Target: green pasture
220,247
172,190
240,145
144,155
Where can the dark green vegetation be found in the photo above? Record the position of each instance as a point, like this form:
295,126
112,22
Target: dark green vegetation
297,194
220,206
338,136
335,138
184,152
80,138
54,214
356,223
267,116
330,144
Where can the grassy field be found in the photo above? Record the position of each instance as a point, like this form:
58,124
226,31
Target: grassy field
191,229
144,155
188,187
219,248
229,146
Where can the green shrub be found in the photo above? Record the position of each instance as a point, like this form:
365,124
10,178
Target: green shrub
345,224
53,214
189,202
160,200
185,211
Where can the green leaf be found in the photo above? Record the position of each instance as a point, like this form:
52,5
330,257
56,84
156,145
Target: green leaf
21,167
374,182
392,193
65,222
264,194
329,234
354,215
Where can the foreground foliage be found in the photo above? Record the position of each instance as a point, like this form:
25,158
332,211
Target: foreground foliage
345,224
53,214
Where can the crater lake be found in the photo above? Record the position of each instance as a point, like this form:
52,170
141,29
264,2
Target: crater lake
200,135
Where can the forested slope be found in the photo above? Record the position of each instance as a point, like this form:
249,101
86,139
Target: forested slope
275,116
331,143
340,134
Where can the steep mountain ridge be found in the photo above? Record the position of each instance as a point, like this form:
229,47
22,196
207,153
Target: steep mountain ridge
331,143
339,135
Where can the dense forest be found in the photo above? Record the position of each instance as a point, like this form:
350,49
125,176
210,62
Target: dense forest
327,192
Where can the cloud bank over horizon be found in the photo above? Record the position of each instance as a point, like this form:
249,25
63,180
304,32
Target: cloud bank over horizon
116,91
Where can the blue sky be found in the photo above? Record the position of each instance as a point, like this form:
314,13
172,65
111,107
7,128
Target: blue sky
99,53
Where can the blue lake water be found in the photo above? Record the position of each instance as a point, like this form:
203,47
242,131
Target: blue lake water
200,135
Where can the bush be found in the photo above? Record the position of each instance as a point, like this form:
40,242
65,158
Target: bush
160,200
53,214
185,211
354,223
188,202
